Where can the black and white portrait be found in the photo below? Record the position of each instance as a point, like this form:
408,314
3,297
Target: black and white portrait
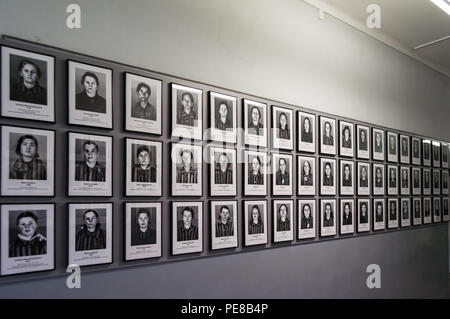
444,154
404,149
405,180
347,186
347,216
224,224
346,140
90,165
416,145
378,179
90,233
306,132
363,215
187,115
187,162
444,174
255,222
405,212
90,95
223,117
143,168
282,174
328,217
392,147
27,161
426,154
306,168
187,227
327,135
222,171
378,144
392,180
417,211
363,142
379,222
327,176
27,238
426,181
436,182
416,181
363,178
255,178
283,219
393,220
306,218
445,216
437,210
142,230
436,154
27,85
255,123
427,219
282,128
143,106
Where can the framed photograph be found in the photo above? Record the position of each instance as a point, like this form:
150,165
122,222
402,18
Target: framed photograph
90,233
90,95
283,219
404,149
143,168
306,168
187,227
255,222
143,104
405,180
436,182
306,132
347,186
27,238
328,217
392,184
346,144
426,146
363,178
444,154
223,117
282,128
378,144
426,181
417,211
378,179
224,233
28,162
393,213
255,123
282,174
406,216
90,165
306,218
436,210
255,166
445,216
28,85
416,181
327,176
187,112
327,135
142,230
363,215
379,222
347,216
187,169
436,154
427,210
362,142
222,171
392,150
416,155
444,182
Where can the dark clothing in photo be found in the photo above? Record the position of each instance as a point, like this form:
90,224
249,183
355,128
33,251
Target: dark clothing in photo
141,175
35,95
187,119
224,230
147,113
20,247
34,170
282,179
139,237
257,179
89,174
190,233
186,177
86,240
223,177
255,228
91,104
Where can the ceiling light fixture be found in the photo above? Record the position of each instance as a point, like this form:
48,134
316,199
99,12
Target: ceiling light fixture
443,4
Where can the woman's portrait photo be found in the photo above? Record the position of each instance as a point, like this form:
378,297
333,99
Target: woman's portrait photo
426,181
144,232
306,175
364,215
436,182
346,177
404,180
306,132
393,221
444,174
255,123
427,210
281,174
327,176
363,142
416,158
346,144
404,149
306,218
327,136
347,217
327,217
224,224
378,144
187,112
417,211
392,153
444,154
436,154
405,213
187,227
445,216
255,226
378,214
392,182
255,183
436,210
282,128
363,178
283,220
378,179
186,165
90,95
222,171
426,147
416,181
27,85
223,117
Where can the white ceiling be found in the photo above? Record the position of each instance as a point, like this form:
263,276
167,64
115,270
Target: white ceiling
409,23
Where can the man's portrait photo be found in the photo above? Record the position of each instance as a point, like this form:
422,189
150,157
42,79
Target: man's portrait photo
142,106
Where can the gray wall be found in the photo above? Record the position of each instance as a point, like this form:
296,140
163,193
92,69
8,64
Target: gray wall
281,51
